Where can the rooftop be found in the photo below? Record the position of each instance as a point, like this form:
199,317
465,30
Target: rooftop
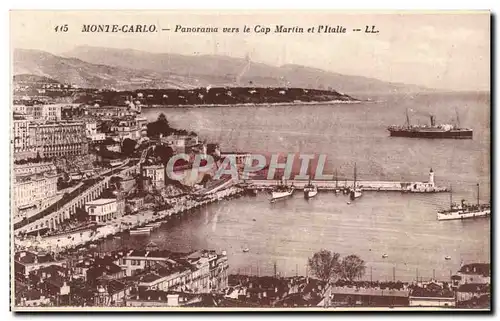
27,257
101,201
476,268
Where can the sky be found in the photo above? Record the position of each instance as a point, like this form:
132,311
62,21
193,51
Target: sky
445,50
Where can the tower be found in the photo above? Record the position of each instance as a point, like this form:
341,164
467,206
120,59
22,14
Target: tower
431,177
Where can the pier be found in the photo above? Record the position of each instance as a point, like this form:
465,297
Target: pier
387,186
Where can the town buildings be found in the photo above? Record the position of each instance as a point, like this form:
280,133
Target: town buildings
39,112
26,262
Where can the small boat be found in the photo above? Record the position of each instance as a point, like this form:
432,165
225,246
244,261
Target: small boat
93,246
348,203
254,220
141,230
154,225
281,191
384,256
447,258
310,190
246,249
117,237
355,191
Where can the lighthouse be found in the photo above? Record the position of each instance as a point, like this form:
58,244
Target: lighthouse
431,177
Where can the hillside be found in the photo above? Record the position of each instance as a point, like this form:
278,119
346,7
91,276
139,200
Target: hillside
228,71
33,79
132,69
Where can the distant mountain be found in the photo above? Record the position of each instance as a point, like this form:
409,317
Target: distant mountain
127,69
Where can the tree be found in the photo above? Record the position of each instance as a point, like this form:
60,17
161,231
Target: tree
160,126
128,146
163,152
352,267
162,119
324,265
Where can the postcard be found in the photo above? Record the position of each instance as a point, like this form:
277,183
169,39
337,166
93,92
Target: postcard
250,160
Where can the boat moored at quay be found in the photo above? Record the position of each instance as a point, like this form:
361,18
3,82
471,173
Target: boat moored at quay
281,191
310,191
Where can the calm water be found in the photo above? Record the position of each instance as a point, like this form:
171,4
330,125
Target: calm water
402,226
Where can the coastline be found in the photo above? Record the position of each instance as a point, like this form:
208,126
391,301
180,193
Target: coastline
69,241
312,103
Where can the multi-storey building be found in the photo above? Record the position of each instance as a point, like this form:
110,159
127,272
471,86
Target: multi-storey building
33,192
129,127
23,145
55,139
156,173
30,168
91,132
40,112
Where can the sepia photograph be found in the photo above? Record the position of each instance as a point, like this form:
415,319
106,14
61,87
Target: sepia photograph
250,160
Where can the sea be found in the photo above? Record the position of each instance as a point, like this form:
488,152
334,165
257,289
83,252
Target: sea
397,235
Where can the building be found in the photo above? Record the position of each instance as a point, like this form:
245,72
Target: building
432,294
469,291
478,273
102,210
33,298
30,168
156,173
42,112
26,262
111,293
22,140
34,192
53,280
92,134
56,139
180,143
200,271
131,127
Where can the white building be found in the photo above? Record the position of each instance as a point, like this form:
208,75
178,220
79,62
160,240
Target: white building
102,210
33,193
156,173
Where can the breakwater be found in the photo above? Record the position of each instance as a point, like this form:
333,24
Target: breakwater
390,186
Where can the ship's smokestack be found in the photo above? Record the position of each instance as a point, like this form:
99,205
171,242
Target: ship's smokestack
433,121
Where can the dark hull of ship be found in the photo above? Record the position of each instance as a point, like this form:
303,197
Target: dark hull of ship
450,134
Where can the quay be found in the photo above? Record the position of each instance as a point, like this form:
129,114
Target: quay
122,224
387,186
